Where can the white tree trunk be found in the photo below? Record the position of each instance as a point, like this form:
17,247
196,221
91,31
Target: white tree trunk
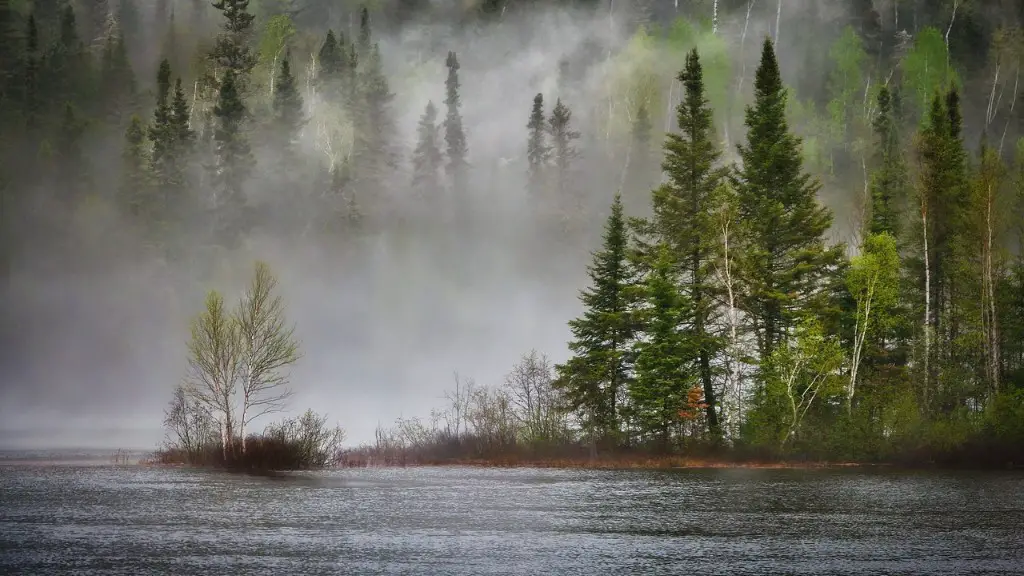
859,337
927,297
778,22
952,19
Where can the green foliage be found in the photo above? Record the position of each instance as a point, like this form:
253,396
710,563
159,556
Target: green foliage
601,363
926,69
889,187
288,117
666,356
798,374
784,258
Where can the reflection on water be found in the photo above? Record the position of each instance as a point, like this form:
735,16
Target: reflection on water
131,520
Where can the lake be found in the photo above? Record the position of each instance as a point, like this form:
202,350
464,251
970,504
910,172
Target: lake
76,518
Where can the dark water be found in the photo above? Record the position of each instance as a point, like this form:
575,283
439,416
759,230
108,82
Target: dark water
101,519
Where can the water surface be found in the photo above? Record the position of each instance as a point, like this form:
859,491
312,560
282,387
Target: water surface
103,519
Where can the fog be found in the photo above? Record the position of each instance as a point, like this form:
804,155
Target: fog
95,327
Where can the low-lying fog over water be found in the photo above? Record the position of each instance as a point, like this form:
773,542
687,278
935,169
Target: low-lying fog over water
135,520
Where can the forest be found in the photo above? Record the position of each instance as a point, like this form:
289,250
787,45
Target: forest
802,223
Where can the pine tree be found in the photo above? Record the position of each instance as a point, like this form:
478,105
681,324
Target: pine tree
160,134
784,258
332,71
889,182
231,49
563,153
135,186
538,153
665,356
234,161
601,363
684,218
427,159
288,115
454,136
373,127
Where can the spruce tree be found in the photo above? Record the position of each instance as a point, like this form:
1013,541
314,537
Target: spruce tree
162,137
332,62
538,153
234,161
784,259
665,355
231,49
373,127
889,182
454,136
684,219
288,115
601,363
563,154
427,159
134,188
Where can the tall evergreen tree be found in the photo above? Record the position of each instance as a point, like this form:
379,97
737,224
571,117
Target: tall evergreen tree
454,136
784,259
665,356
288,115
538,153
684,218
601,364
563,153
889,182
234,161
373,127
160,134
232,50
427,159
333,62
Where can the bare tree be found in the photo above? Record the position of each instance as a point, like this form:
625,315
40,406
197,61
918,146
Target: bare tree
535,402
189,425
214,361
267,348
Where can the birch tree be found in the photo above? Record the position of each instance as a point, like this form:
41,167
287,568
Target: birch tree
267,349
214,365
873,281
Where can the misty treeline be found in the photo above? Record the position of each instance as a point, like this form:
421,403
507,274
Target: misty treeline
726,318
238,373
725,307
